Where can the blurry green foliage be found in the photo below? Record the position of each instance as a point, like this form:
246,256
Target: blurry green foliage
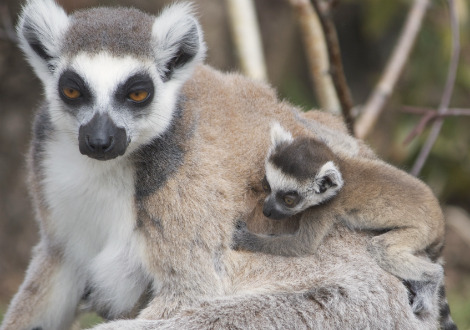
460,308
379,15
89,320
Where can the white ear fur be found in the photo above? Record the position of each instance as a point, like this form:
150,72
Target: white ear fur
40,28
279,135
330,170
178,40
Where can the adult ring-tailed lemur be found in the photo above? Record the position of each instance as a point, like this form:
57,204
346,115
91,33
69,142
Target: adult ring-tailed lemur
141,162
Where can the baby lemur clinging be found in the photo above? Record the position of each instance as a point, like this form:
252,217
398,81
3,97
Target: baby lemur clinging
304,174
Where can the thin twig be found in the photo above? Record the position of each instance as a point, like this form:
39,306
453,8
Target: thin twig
393,70
246,35
424,111
336,63
8,30
447,94
317,55
429,115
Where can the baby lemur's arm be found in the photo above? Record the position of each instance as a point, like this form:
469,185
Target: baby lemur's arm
312,229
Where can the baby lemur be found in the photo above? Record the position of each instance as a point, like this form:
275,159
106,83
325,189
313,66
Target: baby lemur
304,174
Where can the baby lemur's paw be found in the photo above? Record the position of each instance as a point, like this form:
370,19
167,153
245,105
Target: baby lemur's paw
239,235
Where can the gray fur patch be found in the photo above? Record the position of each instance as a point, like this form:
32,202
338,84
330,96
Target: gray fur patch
158,224
42,130
117,30
158,160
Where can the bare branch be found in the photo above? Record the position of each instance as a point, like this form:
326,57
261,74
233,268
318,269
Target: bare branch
447,94
393,70
7,31
317,55
424,111
429,115
246,35
336,63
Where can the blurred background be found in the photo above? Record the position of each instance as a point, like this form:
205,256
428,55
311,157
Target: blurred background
367,31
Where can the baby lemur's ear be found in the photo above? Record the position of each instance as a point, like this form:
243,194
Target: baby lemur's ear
178,41
279,135
328,179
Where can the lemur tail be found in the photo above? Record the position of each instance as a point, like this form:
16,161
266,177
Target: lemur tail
445,320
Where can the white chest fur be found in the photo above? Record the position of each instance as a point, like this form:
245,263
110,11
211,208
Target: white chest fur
93,218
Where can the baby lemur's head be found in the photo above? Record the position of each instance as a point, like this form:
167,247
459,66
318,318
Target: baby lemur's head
300,173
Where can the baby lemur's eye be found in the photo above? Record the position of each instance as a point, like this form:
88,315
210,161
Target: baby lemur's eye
291,199
266,186
138,96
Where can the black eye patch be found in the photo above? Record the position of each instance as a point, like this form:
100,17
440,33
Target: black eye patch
70,80
136,84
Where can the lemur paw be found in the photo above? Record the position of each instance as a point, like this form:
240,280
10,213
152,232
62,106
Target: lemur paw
239,235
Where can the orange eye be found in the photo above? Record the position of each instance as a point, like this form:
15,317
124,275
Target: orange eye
138,96
71,93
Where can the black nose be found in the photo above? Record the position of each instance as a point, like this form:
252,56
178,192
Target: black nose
266,210
266,213
99,144
101,139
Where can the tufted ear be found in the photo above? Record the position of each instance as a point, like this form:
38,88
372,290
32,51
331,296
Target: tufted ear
40,28
279,135
328,180
178,41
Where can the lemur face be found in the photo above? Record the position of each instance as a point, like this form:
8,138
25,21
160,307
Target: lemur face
111,76
289,196
108,110
300,173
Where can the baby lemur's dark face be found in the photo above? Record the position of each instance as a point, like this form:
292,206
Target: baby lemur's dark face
287,196
300,173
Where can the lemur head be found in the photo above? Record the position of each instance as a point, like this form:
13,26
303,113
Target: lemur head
111,75
300,173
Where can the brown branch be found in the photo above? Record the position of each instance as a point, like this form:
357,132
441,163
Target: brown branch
7,32
381,93
336,63
446,95
429,115
317,55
